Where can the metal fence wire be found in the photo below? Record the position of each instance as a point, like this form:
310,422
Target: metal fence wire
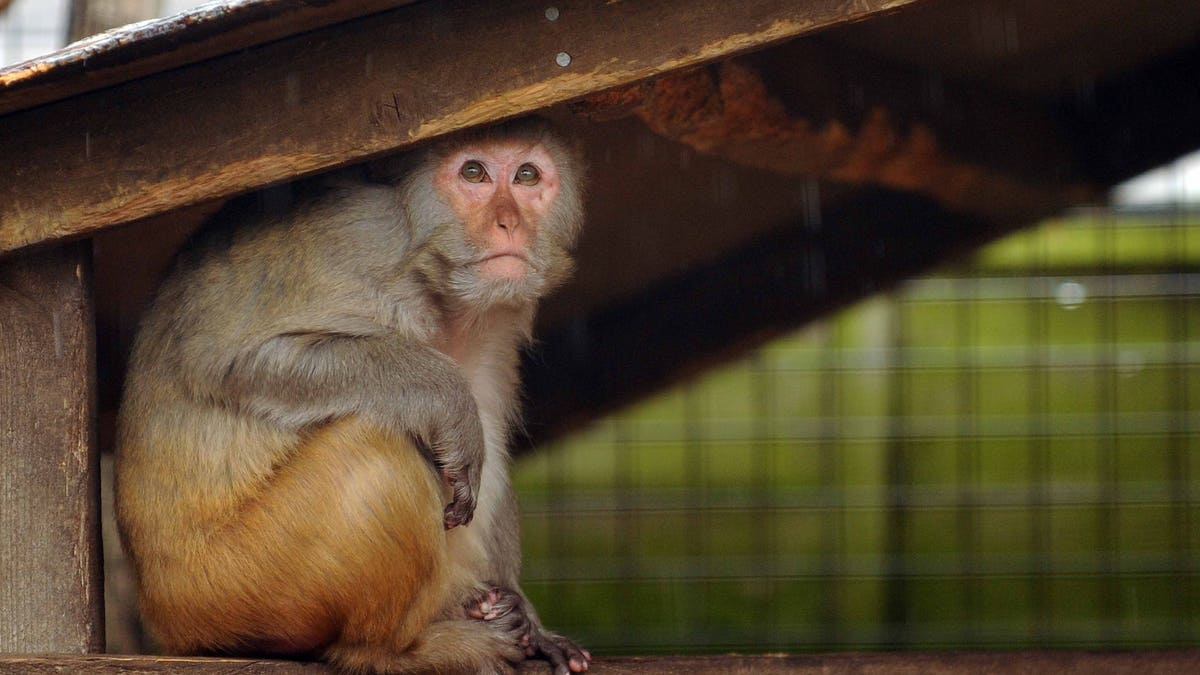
1004,454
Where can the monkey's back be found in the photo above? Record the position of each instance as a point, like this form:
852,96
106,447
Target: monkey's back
251,275
196,471
182,443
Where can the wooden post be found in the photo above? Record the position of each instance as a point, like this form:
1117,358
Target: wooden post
50,577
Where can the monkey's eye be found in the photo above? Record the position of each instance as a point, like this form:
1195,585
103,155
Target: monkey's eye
472,171
527,174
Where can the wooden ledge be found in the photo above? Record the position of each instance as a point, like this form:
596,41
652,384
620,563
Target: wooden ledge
147,47
348,92
1151,662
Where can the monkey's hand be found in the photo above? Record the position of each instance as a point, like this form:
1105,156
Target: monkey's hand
455,442
512,612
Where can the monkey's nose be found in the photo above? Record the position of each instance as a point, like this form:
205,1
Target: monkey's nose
508,220
504,211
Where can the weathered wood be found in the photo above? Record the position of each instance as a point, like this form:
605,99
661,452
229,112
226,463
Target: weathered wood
50,586
873,133
991,663
350,91
133,51
123,665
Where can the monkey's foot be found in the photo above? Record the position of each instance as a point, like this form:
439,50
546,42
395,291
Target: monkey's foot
564,655
507,608
491,604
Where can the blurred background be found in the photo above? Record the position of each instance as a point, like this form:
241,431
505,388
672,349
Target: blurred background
1004,452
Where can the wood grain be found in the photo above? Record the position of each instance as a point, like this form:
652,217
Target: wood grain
979,663
132,51
50,586
348,92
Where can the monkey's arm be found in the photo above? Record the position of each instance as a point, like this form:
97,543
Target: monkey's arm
299,379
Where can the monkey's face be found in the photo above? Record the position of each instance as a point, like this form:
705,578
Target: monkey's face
513,223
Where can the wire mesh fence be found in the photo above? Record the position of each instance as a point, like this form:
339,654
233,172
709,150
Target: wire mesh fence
30,28
1004,454
33,28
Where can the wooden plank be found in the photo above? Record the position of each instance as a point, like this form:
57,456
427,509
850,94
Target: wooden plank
864,244
50,586
122,665
1154,662
350,91
810,108
149,47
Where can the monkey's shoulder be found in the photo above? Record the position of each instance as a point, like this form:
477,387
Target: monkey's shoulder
292,218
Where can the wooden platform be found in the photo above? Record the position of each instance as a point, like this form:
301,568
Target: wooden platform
996,663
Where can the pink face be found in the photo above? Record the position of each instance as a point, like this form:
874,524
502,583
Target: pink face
501,190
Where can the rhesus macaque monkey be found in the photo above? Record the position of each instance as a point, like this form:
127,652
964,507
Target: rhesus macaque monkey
312,443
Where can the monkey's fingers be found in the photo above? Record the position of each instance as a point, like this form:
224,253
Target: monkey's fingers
456,514
491,606
462,508
563,654
484,607
497,603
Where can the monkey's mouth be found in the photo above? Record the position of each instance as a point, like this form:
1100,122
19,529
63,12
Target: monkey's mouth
504,265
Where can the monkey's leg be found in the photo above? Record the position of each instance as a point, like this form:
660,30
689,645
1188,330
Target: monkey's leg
341,551
343,541
373,641
449,646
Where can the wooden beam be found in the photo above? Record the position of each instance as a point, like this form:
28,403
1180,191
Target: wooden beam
50,585
812,108
147,47
1150,662
586,367
348,92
